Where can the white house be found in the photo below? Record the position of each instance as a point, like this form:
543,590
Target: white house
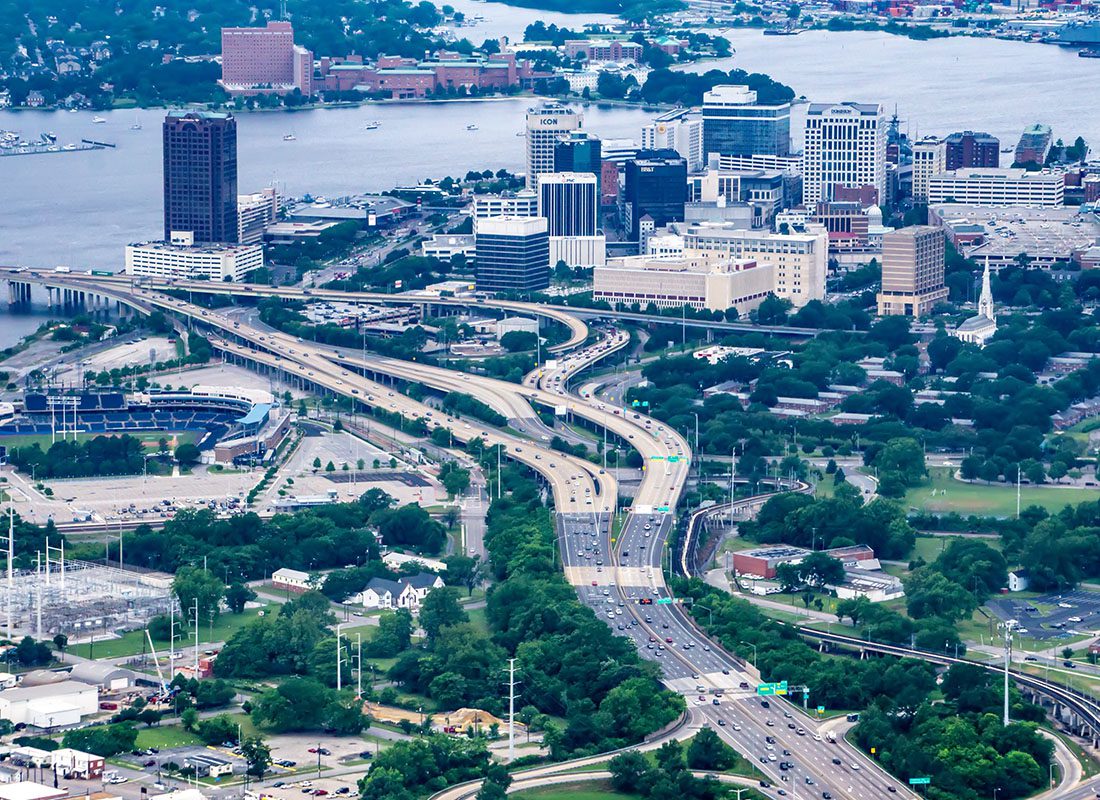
292,580
403,593
1018,580
52,705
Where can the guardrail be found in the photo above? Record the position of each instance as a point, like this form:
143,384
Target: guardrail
1080,703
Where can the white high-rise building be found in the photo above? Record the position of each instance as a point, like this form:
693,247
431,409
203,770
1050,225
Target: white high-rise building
570,202
929,158
845,145
680,131
545,123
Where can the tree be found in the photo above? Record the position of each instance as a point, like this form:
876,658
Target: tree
61,641
187,454
465,571
195,585
257,754
394,634
237,595
708,752
930,594
439,609
215,730
189,719
103,740
297,704
630,773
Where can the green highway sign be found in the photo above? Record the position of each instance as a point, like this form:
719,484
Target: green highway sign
821,709
673,459
919,781
772,688
656,458
663,509
664,601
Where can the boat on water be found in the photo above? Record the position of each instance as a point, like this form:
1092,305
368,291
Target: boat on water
69,146
521,133
781,32
1008,149
136,126
290,137
373,126
472,127
1089,52
1080,32
98,120
49,136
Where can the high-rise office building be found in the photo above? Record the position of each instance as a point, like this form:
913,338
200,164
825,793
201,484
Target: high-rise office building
578,151
570,203
545,124
734,123
656,186
512,254
680,130
912,271
970,149
845,146
265,61
929,158
200,176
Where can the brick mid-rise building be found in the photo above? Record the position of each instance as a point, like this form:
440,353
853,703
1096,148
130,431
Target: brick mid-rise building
265,61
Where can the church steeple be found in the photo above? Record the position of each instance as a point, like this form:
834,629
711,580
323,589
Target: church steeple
985,302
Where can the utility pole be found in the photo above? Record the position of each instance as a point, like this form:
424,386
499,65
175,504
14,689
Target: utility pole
1008,658
196,611
359,664
339,657
511,710
1017,491
11,557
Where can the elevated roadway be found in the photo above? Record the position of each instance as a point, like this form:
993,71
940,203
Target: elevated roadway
632,557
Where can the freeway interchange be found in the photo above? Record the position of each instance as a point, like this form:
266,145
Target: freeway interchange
613,572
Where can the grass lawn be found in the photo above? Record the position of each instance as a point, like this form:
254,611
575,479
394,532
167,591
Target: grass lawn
583,790
477,617
134,642
998,500
165,737
149,439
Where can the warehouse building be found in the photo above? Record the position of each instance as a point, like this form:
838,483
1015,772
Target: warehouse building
51,705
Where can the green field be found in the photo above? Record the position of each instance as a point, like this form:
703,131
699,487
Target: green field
134,642
165,737
583,790
148,438
997,500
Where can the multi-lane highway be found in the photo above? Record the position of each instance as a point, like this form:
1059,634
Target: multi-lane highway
614,569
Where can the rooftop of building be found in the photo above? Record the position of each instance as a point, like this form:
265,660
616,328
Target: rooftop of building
867,109
999,174
202,248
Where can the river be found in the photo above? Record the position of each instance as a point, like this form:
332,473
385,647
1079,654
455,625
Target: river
938,86
82,208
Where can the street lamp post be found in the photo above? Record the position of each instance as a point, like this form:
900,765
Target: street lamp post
753,646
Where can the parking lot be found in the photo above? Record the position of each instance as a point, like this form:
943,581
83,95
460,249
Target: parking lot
1051,616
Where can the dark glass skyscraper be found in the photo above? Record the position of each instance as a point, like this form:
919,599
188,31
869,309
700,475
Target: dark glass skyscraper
200,175
735,124
512,254
578,151
656,184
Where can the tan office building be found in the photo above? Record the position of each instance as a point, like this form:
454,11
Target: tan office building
705,281
801,260
912,271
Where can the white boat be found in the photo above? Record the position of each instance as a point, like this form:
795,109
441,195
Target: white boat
472,127
69,147
372,126
136,126
98,120
521,133
290,137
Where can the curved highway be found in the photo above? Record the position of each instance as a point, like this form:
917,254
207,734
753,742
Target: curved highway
618,571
